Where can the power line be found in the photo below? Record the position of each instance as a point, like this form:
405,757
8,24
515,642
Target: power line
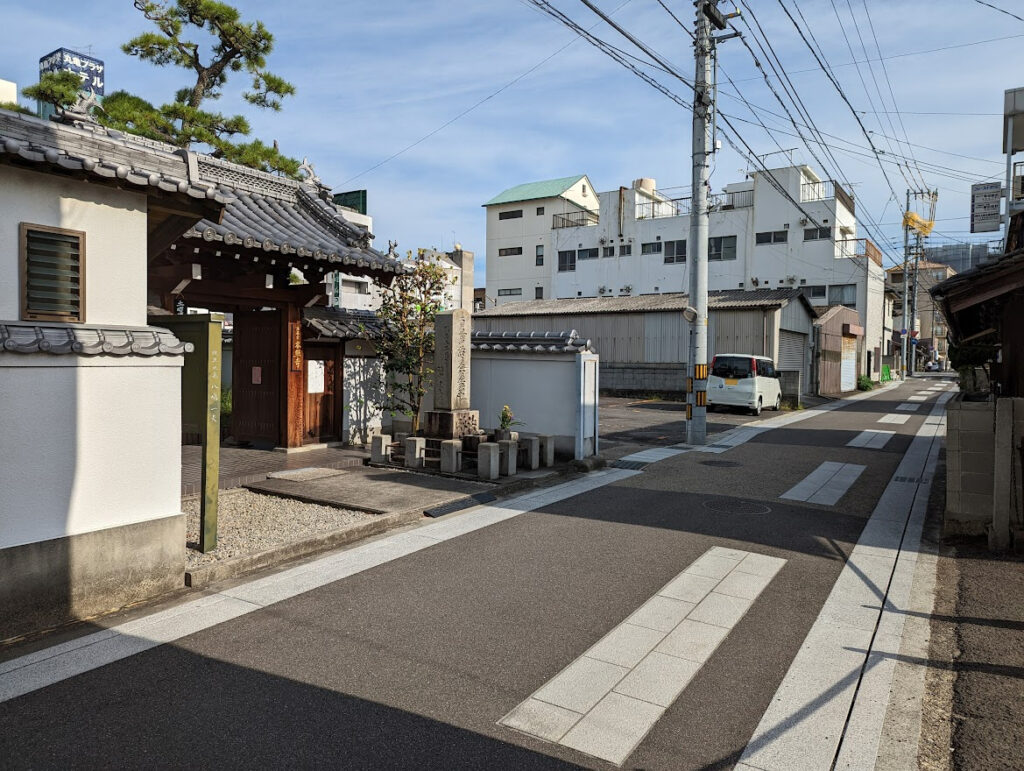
1001,10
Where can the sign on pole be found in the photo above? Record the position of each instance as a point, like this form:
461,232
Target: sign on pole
985,199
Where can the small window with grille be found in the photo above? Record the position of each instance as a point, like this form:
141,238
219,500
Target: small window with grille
52,273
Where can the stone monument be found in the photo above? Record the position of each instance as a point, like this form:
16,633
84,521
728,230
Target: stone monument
451,417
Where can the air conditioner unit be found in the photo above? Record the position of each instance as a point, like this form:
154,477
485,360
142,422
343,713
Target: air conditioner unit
754,281
803,222
602,240
791,279
602,289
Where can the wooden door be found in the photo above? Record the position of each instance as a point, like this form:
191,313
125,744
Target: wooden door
256,377
322,394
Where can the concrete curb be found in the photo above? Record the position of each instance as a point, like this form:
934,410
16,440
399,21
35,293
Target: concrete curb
204,575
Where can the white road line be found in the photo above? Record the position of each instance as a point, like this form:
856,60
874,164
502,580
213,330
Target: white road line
654,454
907,407
894,418
807,717
606,701
52,665
826,484
917,398
871,440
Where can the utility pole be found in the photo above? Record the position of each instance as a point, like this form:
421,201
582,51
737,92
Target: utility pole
704,44
904,327
913,306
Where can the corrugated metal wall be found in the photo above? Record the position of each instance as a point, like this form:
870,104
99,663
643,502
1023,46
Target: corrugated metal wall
651,338
830,348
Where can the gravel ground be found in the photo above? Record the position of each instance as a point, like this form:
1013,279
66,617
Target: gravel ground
248,523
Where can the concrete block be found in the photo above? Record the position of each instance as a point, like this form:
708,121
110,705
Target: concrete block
976,505
976,483
953,503
532,446
978,420
547,450
977,441
451,455
974,463
401,437
415,447
380,448
507,450
487,460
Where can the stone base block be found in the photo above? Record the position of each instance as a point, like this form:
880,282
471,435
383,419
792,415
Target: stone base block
507,451
380,448
49,583
487,461
415,447
451,456
531,445
547,450
440,424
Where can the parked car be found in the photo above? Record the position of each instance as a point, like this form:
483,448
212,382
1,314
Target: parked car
744,380
932,366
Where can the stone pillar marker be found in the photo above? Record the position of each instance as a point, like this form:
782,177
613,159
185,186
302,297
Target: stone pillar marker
451,417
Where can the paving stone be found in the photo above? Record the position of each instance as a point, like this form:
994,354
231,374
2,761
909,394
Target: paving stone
720,610
693,640
581,685
626,645
689,587
540,719
658,679
613,729
661,613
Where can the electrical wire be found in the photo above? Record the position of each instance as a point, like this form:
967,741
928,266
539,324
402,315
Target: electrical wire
1001,10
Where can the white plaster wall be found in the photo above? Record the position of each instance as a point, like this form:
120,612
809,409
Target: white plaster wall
363,375
8,91
542,390
114,222
87,444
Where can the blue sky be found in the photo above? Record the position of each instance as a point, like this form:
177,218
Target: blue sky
374,78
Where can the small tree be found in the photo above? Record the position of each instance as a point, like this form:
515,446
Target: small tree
57,88
408,309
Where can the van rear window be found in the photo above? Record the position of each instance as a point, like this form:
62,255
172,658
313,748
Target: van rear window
731,366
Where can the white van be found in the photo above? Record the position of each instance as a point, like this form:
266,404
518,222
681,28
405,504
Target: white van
744,380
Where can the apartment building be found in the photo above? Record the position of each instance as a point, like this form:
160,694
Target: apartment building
560,239
929,323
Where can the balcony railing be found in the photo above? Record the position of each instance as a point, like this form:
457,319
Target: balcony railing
860,247
575,219
680,207
822,191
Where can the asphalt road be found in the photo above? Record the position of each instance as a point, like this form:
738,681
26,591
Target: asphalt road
411,664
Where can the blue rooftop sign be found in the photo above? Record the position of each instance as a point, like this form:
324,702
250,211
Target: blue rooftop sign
90,69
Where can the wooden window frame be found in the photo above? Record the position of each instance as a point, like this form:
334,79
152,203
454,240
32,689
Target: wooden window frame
23,230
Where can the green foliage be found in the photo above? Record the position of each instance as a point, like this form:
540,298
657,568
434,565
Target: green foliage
237,46
864,383
507,419
57,88
15,107
408,309
225,401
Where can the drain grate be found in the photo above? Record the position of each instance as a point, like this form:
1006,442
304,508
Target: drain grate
630,465
912,480
735,506
721,463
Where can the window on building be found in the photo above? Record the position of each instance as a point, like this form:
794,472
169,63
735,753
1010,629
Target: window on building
843,294
586,254
517,292
540,254
567,260
356,287
625,250
538,293
510,251
817,234
772,237
540,211
510,215
815,291
52,264
938,275
722,248
609,251
675,251
651,247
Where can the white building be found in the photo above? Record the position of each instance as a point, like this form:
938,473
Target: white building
558,239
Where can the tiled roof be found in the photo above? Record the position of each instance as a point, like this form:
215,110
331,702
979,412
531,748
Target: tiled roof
647,303
531,191
300,224
101,155
55,338
531,342
342,324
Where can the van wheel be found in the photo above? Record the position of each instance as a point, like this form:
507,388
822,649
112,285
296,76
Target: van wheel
756,410
778,404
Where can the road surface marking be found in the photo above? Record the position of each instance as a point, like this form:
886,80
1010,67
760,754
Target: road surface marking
907,407
916,398
871,440
839,682
607,700
51,665
826,484
894,418
654,454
